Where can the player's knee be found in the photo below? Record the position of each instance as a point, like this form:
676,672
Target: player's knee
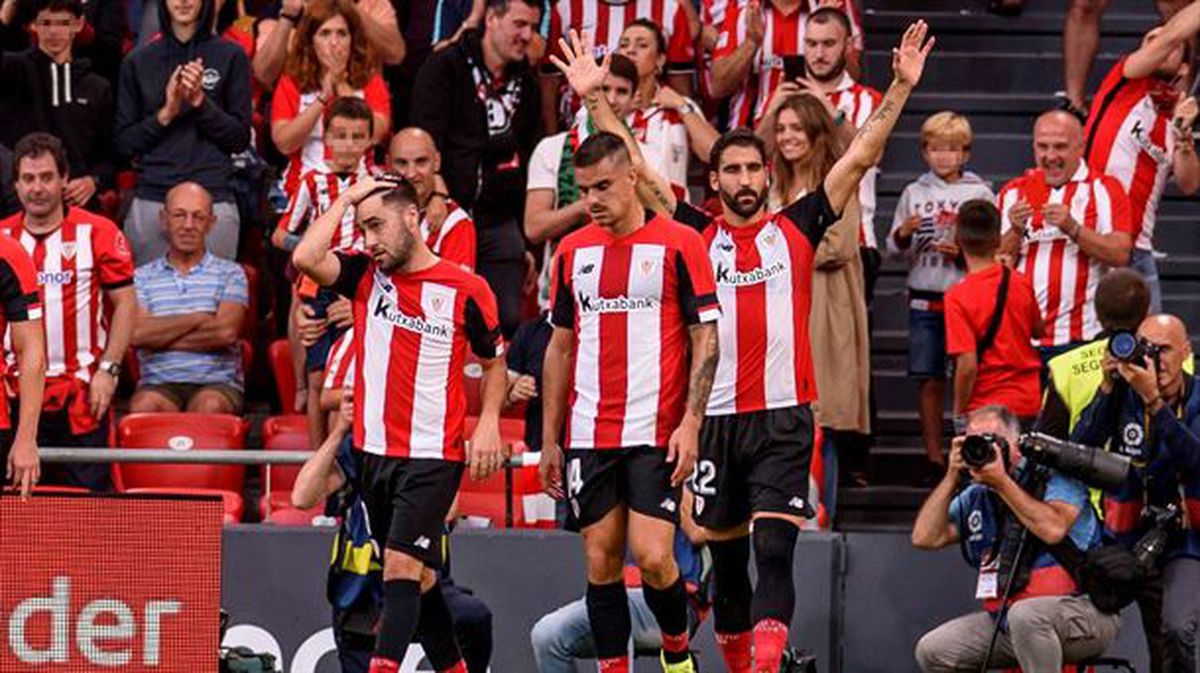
428,579
657,564
774,540
400,566
603,565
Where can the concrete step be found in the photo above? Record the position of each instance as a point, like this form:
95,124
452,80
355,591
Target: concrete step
989,71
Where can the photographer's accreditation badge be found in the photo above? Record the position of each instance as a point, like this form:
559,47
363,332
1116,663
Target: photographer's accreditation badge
986,587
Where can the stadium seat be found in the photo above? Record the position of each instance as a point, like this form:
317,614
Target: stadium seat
233,503
484,499
290,516
282,433
279,353
250,324
181,432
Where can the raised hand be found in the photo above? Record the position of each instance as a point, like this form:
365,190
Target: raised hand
583,73
908,59
754,22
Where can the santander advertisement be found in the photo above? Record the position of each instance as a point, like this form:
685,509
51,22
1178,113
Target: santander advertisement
109,583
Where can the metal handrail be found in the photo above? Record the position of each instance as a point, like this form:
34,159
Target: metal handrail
207,456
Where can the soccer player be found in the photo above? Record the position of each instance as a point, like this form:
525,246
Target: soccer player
757,440
415,315
22,317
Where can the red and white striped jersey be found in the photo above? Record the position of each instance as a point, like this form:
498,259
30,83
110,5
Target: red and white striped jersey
712,13
339,365
1063,277
19,300
85,255
783,35
605,21
413,333
858,102
630,301
764,283
664,132
455,241
315,194
1128,138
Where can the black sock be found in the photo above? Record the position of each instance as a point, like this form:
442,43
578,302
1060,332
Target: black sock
731,585
775,593
435,630
669,607
401,610
608,612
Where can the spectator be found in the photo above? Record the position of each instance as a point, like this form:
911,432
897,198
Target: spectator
48,89
479,101
414,156
21,323
923,234
1144,132
669,24
1063,224
552,205
1048,622
664,119
525,356
747,67
350,136
191,306
9,203
330,58
378,23
1081,40
183,108
85,274
100,39
992,318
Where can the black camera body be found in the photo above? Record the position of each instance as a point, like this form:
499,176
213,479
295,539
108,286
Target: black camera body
1125,346
979,450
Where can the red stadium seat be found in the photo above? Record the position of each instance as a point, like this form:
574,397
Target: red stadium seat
473,382
250,324
233,503
282,433
484,499
290,516
182,432
279,353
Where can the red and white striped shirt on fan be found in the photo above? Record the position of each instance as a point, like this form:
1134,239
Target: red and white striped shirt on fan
858,102
764,283
1128,138
783,35
85,255
1063,277
630,301
315,194
339,365
455,241
413,333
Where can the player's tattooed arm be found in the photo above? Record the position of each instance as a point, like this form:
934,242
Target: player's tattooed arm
704,367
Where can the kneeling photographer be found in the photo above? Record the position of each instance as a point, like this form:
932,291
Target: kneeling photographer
1148,409
1006,521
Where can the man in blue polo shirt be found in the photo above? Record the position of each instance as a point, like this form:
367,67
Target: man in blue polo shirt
191,305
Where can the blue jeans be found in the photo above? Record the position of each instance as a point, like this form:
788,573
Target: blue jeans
561,637
1143,262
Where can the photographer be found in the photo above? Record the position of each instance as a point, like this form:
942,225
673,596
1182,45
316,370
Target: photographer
1046,623
1148,407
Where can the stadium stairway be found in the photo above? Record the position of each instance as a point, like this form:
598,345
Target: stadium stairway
1001,73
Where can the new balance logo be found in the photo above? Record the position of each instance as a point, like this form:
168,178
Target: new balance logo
796,503
668,505
422,542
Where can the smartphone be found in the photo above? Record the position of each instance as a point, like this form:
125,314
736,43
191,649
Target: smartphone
794,67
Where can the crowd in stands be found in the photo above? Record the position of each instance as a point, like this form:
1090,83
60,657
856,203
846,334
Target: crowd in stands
214,132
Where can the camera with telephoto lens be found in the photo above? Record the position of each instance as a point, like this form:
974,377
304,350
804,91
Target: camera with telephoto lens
1164,521
1127,347
1094,467
979,450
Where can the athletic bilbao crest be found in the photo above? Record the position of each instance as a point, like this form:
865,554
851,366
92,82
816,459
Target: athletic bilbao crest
647,267
68,250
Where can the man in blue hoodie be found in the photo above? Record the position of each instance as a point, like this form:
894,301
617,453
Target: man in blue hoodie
183,108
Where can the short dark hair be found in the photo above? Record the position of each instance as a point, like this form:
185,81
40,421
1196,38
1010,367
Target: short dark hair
1122,300
400,193
825,15
74,7
500,7
599,147
659,36
622,66
38,144
739,137
352,107
978,231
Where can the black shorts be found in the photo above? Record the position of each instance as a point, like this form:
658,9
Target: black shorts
753,462
407,502
597,480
